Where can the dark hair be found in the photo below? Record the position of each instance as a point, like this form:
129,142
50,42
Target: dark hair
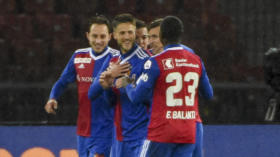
155,23
100,19
140,24
171,30
123,18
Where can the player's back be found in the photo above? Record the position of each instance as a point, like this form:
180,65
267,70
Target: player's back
175,96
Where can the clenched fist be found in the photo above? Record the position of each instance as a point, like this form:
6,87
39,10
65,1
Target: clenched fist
51,106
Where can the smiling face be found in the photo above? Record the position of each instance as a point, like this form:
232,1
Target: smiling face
142,37
154,40
124,34
98,37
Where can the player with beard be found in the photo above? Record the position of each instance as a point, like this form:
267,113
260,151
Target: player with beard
130,118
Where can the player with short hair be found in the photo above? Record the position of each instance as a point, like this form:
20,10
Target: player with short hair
130,118
155,44
172,81
142,36
95,116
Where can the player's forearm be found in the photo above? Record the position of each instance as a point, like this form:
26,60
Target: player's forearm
58,89
205,88
110,96
137,95
95,89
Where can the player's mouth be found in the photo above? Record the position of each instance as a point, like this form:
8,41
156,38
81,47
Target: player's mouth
127,43
98,46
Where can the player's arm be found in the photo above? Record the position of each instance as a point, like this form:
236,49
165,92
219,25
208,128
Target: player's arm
142,91
106,77
68,76
205,87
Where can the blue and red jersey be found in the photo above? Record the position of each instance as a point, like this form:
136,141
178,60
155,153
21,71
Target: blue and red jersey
95,116
172,81
131,119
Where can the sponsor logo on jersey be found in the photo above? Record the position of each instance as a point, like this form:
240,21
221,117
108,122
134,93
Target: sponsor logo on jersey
181,60
82,60
84,79
168,63
183,63
148,64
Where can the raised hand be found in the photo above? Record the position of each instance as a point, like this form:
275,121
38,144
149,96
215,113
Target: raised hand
124,81
106,80
117,69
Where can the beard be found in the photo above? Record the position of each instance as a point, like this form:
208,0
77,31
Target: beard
126,45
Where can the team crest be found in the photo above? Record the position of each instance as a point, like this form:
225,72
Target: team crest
168,63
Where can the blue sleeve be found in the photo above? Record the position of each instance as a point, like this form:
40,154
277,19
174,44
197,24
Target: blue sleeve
110,96
95,88
68,76
205,87
187,48
143,91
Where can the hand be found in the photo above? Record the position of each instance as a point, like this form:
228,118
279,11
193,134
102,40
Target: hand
117,70
106,80
51,106
124,81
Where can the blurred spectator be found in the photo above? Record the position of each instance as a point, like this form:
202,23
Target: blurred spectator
272,68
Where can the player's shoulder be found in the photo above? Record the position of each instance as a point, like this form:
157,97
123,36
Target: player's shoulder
177,51
187,51
114,52
83,50
141,53
187,48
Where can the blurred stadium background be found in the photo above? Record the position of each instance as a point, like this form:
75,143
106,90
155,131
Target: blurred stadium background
37,38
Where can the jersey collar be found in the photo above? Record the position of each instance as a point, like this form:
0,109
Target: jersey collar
134,47
95,55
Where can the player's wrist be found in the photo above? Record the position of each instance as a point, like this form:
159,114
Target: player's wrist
52,100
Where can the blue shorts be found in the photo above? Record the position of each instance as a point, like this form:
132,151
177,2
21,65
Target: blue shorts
126,148
154,149
198,140
88,146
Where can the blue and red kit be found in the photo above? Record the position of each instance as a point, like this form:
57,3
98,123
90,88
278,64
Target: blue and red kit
172,81
95,116
131,119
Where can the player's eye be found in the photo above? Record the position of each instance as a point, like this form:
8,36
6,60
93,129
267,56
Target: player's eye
103,36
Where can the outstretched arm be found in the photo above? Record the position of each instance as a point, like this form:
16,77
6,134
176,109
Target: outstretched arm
68,76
